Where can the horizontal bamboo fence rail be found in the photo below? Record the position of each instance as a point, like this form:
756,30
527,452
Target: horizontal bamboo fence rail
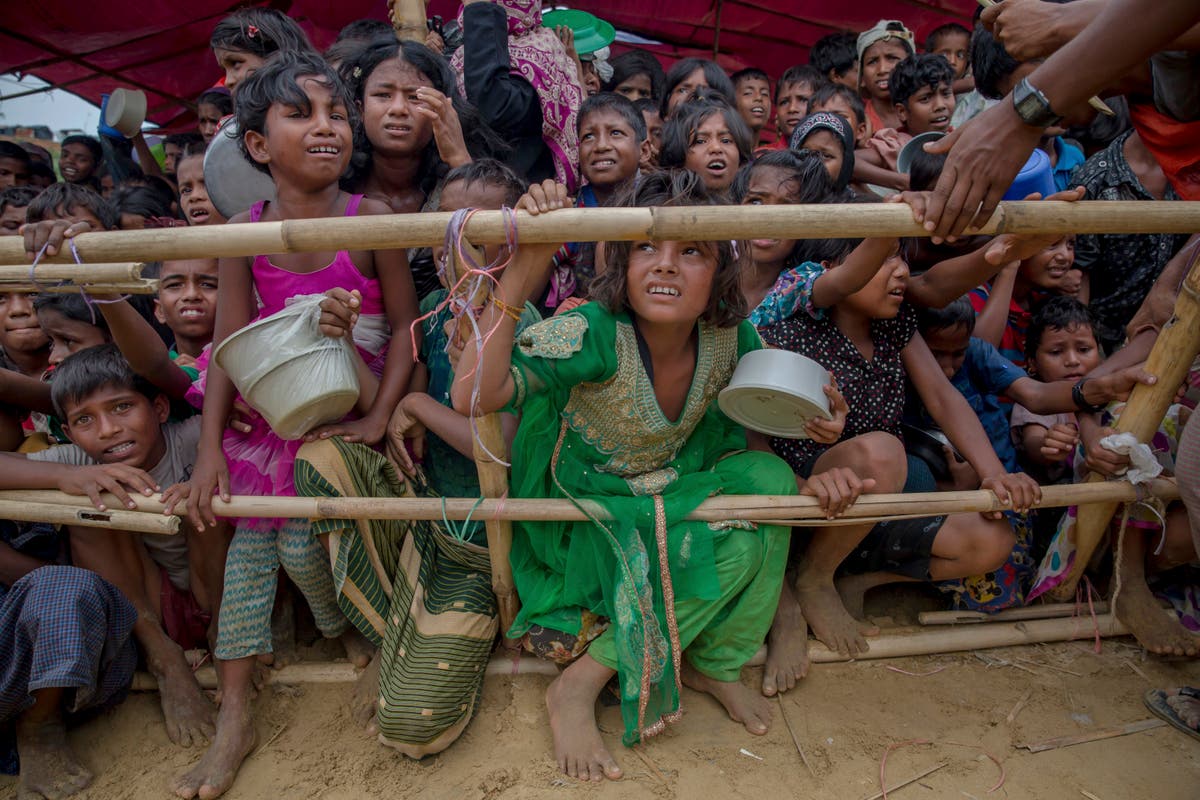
781,509
709,223
125,272
60,513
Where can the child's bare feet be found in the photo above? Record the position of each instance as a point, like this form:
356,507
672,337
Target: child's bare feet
187,713
571,701
831,623
742,704
218,767
787,646
366,695
1138,608
49,768
852,589
359,651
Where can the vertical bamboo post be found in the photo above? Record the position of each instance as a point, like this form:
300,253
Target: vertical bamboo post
408,20
493,476
1170,359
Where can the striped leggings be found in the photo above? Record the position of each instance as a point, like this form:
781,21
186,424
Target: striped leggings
251,573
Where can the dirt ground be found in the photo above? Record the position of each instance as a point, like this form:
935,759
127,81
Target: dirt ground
845,716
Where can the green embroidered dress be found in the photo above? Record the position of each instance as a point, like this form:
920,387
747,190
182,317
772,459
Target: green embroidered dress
591,429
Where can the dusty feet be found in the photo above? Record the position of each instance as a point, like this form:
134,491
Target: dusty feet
217,768
187,713
853,591
741,702
366,695
787,646
49,769
359,651
1137,607
1186,706
831,623
571,701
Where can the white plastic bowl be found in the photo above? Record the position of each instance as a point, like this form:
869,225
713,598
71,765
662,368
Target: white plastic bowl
126,111
294,392
232,182
776,392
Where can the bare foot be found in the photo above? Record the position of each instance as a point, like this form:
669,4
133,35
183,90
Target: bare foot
366,694
787,646
853,591
49,769
831,623
1148,621
571,701
359,651
1186,706
187,713
217,768
742,704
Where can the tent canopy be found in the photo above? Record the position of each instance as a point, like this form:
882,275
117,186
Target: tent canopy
161,46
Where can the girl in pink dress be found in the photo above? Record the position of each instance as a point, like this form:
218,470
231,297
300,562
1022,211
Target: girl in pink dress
295,118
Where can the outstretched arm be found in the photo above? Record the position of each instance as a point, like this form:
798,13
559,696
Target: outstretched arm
143,348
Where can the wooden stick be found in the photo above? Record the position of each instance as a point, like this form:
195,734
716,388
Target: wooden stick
1045,611
795,739
408,20
488,442
124,272
1094,736
974,637
89,517
761,508
611,224
1012,715
913,779
1169,360
139,287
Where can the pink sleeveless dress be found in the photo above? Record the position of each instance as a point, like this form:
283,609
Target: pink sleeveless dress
260,463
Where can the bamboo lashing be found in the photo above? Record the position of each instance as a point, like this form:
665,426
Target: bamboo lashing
1169,360
898,644
116,518
488,440
757,508
610,224
408,20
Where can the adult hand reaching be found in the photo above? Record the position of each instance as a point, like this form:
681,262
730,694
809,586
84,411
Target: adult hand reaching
983,157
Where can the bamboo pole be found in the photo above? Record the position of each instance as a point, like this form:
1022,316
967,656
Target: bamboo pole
610,224
1169,360
408,20
73,514
898,644
758,508
489,441
1040,611
125,272
139,287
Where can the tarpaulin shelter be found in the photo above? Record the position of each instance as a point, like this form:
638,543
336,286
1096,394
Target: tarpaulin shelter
161,46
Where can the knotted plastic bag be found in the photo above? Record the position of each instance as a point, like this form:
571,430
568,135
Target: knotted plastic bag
290,372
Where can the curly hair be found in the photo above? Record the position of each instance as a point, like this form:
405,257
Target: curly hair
726,304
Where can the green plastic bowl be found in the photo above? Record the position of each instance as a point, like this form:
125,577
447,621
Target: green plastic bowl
591,32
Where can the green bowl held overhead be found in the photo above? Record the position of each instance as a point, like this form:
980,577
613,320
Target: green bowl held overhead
591,32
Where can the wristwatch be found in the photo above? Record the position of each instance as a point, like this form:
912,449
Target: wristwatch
1032,106
1080,401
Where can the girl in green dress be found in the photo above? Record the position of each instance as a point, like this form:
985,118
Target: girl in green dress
617,408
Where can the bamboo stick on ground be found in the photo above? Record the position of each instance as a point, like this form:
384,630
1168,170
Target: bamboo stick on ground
1040,611
125,272
1170,359
761,508
610,224
116,518
1094,736
890,645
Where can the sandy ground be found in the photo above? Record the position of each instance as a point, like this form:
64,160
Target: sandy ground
845,716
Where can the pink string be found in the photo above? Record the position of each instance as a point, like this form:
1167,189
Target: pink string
90,301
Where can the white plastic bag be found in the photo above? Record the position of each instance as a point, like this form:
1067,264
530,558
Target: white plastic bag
290,372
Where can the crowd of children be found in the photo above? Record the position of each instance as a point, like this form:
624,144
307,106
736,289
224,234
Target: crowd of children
960,364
